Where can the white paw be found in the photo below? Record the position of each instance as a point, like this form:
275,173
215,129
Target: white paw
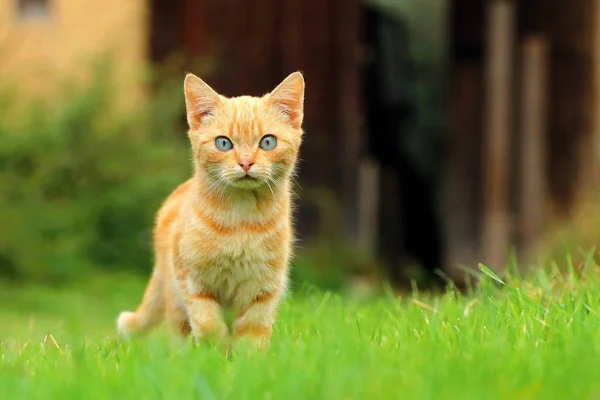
126,323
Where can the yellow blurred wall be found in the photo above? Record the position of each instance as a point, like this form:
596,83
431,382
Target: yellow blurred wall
38,53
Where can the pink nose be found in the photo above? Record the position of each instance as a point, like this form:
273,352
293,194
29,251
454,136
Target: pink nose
246,165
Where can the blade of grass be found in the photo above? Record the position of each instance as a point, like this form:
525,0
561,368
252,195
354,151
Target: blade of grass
490,273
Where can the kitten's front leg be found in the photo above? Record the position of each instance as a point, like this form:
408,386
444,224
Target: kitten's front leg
205,313
255,320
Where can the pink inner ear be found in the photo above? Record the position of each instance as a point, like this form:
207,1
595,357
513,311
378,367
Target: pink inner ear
288,97
295,116
291,107
200,99
197,116
200,106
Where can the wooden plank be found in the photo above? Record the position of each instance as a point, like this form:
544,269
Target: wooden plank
533,190
368,213
571,83
166,28
498,126
291,36
462,178
348,99
594,157
194,27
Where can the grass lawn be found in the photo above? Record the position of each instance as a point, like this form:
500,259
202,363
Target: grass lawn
536,339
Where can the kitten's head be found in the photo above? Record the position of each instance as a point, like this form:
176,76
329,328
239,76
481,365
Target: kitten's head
245,142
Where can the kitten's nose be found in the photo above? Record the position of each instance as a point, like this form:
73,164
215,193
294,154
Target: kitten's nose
246,164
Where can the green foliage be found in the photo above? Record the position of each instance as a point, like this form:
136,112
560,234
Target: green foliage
330,265
81,181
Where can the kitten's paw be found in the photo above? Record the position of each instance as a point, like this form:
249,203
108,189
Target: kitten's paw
127,323
248,346
215,334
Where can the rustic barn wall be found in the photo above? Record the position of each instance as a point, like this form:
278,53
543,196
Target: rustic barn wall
568,29
254,45
463,184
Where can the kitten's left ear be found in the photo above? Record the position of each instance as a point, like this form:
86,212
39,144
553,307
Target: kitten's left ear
200,100
288,98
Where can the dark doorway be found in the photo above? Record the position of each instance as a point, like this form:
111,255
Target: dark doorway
409,228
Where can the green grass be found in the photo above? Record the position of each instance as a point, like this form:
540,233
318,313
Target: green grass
529,339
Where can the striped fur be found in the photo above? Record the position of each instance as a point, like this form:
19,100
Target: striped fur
222,239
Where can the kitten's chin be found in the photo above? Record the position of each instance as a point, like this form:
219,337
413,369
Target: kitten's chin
246,182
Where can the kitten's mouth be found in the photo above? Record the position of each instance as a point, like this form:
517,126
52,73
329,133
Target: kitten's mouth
246,182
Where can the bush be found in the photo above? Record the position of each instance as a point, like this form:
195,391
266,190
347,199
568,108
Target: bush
81,181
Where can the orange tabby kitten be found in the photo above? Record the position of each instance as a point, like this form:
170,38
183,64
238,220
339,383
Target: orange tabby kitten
224,237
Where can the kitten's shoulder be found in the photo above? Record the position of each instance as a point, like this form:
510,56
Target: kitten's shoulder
172,204
180,190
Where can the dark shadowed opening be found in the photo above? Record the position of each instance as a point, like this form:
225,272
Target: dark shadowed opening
409,228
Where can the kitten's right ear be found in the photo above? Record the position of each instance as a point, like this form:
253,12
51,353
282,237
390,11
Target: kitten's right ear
200,100
288,98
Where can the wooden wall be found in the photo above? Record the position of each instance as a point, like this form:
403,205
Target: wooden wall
253,45
568,29
256,44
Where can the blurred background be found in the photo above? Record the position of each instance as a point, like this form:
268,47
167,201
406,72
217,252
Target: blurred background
439,133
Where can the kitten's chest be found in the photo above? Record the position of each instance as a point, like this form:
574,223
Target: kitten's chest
240,267
237,252
240,252
239,240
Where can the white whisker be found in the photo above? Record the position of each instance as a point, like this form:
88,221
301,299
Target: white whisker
271,189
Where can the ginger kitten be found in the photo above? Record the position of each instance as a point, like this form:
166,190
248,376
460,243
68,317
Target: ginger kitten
223,239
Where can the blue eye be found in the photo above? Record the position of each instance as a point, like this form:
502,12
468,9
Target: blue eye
223,143
268,142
